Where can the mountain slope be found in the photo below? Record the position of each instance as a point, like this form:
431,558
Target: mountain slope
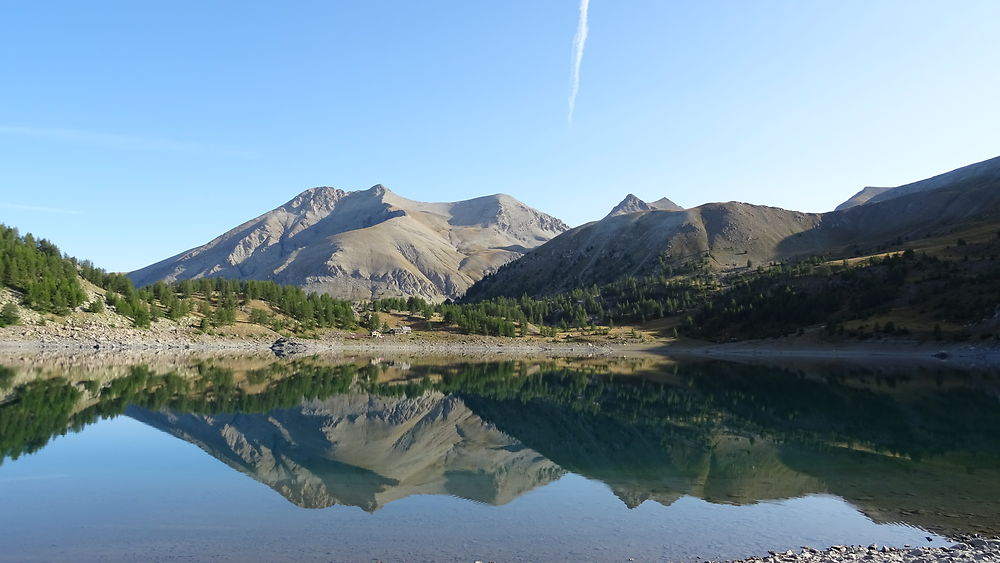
861,197
365,244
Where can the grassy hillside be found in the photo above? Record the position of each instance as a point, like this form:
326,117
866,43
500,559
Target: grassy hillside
943,291
945,287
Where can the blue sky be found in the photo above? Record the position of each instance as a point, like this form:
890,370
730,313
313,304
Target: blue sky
131,131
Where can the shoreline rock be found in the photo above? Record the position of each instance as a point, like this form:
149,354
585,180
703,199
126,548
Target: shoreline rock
283,347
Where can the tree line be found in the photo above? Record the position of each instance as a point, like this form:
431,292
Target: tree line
48,281
39,271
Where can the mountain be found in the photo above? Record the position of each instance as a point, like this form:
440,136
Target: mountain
367,244
366,451
732,235
635,244
632,204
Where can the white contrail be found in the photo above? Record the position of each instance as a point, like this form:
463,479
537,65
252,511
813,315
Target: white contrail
579,42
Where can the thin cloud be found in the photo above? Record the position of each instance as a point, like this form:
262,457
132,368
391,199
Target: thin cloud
38,209
121,142
579,42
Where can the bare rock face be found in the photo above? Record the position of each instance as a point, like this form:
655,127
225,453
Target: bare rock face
366,451
368,244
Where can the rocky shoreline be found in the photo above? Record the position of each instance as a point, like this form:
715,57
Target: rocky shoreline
968,550
169,337
78,339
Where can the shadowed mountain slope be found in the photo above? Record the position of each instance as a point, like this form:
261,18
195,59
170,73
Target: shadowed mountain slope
985,171
962,198
365,244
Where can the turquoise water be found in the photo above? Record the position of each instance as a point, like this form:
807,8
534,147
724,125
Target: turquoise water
490,462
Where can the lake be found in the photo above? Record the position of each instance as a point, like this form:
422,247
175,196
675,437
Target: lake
418,459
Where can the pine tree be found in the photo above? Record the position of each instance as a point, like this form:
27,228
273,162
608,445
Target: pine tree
9,315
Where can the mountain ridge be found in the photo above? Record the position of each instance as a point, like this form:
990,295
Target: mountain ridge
734,235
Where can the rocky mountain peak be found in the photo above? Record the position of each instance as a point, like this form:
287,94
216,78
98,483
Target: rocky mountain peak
314,199
378,190
632,204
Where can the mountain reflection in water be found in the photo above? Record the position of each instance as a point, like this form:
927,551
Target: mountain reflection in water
917,446
365,450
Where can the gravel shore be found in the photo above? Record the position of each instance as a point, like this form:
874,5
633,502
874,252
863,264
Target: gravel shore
970,550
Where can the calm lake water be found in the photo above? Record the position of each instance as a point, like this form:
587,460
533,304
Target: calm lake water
253,459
